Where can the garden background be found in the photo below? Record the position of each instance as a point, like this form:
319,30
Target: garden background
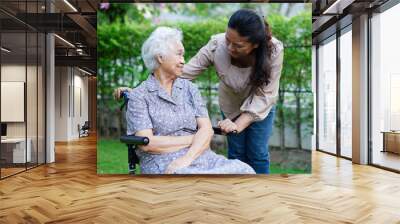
122,28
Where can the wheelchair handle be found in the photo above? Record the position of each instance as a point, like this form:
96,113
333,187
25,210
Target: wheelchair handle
124,95
218,131
134,140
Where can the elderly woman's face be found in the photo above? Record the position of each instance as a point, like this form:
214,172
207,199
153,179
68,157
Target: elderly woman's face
173,62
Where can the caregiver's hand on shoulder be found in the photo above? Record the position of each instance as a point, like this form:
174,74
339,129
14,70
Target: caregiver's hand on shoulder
117,92
227,126
179,163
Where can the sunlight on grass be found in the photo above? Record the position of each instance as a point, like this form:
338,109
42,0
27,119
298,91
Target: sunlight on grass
112,158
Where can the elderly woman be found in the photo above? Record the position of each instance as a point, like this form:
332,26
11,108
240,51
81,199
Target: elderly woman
248,61
171,113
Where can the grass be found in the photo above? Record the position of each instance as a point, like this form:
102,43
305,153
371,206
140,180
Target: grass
112,158
276,169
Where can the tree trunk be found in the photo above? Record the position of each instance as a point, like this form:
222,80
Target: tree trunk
298,110
281,100
298,121
288,9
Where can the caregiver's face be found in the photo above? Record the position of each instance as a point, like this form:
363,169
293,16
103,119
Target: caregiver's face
237,45
174,60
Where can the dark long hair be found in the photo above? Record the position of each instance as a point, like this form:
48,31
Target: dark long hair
250,24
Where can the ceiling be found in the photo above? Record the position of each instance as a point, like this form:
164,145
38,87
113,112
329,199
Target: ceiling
330,15
74,22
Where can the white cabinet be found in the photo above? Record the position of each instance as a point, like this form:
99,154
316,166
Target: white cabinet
18,152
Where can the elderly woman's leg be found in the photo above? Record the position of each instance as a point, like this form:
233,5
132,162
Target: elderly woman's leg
212,163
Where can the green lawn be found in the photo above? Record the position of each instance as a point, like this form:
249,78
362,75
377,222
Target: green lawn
112,158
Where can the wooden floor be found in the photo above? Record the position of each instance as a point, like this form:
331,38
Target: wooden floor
70,191
10,171
387,159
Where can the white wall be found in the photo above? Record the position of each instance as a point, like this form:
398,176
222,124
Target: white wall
70,83
33,126
14,72
61,103
80,88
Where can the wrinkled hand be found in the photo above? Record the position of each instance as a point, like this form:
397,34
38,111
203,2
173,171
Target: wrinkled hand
227,126
177,164
117,92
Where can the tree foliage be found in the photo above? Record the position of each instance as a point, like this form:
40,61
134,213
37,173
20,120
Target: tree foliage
120,64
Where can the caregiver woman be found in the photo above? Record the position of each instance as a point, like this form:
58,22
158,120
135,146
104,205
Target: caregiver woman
248,62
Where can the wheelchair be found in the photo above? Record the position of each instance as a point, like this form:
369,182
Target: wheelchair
133,141
83,130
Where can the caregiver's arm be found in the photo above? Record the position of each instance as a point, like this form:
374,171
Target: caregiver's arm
117,92
201,61
163,144
243,121
256,108
202,138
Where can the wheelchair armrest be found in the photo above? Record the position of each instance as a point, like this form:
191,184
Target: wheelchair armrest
134,140
137,140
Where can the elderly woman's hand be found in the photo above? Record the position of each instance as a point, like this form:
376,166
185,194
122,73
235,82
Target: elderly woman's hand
227,126
179,163
117,92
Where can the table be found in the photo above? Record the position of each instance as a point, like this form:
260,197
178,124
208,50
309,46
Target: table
391,141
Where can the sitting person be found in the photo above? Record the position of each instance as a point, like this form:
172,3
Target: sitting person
171,113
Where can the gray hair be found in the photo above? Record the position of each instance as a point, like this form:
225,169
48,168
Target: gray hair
159,43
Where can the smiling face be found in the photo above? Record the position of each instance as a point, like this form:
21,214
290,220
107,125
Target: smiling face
172,63
237,45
